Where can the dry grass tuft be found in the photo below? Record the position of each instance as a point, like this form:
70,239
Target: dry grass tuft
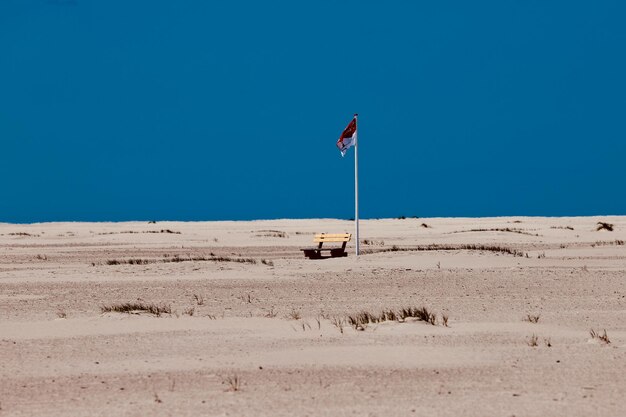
532,318
338,323
604,226
294,315
199,299
233,382
601,337
135,307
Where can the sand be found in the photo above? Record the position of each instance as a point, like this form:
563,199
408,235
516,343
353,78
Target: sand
270,339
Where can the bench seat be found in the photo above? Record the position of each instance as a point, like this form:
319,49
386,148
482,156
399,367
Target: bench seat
321,238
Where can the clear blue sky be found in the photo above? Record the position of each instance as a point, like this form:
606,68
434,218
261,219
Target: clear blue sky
201,110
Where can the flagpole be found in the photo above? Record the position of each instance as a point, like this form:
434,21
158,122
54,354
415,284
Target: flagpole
356,185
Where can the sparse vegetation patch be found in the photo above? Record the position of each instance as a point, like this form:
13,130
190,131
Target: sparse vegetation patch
177,258
371,242
137,307
129,261
138,232
437,247
271,233
360,320
616,242
505,229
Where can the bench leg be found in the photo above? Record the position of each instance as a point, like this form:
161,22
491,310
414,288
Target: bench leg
313,254
336,253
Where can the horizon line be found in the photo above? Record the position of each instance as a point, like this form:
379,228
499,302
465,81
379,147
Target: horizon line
308,218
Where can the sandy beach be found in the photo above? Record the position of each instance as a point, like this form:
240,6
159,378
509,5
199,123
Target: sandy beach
245,325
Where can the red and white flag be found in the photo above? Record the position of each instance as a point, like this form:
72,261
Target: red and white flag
348,137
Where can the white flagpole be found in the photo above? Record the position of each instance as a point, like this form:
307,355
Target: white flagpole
356,184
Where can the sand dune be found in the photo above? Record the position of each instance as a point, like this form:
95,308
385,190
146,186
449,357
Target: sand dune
257,329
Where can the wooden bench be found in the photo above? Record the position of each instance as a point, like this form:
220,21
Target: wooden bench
321,238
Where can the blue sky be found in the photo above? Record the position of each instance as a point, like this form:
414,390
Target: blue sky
196,110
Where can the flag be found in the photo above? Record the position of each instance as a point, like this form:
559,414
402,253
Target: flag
347,138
